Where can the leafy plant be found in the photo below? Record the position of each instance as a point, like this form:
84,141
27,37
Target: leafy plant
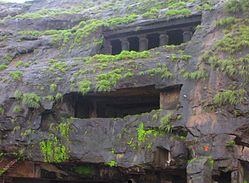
166,125
142,133
84,86
112,163
17,109
230,143
32,100
53,87
3,67
108,80
16,75
124,55
195,75
53,151
229,97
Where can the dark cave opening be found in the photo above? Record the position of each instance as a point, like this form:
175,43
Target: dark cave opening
153,41
119,103
134,43
116,46
175,37
223,177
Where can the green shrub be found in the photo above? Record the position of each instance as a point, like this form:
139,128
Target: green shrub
237,6
225,21
184,12
53,151
152,13
165,124
32,100
1,110
229,97
16,75
3,67
230,143
106,81
53,87
112,163
124,55
161,70
84,86
195,75
17,109
143,134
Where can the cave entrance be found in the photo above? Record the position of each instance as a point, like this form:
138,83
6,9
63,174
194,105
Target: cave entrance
120,103
223,177
175,37
134,43
116,46
153,41
117,104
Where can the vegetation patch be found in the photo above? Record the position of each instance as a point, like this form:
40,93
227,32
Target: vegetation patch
166,125
195,75
106,81
161,70
31,100
124,55
84,86
3,67
53,151
143,134
232,97
16,75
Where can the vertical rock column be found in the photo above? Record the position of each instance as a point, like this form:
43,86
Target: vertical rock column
199,171
108,47
164,39
237,175
125,44
143,43
187,35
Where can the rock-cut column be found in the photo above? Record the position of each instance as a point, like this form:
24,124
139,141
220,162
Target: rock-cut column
108,47
125,44
164,39
187,35
143,43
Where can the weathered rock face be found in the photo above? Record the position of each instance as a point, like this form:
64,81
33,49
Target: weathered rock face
170,114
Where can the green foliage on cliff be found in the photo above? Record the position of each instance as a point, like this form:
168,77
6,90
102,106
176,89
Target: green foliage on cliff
84,86
3,67
143,134
112,163
31,100
16,75
124,55
237,6
165,125
231,97
106,81
53,151
194,75
160,70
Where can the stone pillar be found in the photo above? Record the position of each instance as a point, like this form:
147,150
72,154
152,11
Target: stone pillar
108,47
143,43
187,35
125,44
164,39
199,171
